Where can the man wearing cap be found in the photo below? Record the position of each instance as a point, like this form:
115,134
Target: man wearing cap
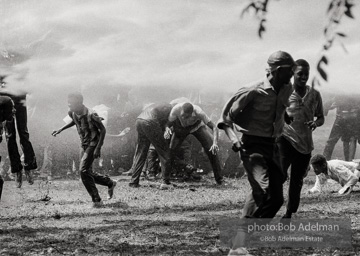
258,110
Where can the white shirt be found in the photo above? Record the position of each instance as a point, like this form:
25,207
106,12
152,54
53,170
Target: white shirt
346,173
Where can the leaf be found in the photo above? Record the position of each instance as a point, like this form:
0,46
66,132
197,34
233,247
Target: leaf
330,6
324,59
247,8
349,14
343,46
341,34
261,28
321,72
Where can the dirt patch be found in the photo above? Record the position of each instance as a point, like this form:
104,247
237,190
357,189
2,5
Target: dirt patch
146,220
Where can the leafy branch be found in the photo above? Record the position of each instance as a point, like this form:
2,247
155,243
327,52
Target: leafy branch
336,11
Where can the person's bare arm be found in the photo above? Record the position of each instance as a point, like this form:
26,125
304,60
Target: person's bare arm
66,126
214,148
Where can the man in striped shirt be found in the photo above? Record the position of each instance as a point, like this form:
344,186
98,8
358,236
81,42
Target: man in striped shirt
92,133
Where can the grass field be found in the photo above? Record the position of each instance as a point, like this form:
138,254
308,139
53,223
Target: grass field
146,220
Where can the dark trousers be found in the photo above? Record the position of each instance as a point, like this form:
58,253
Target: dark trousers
90,178
21,125
345,129
299,165
152,165
206,140
1,185
150,132
262,165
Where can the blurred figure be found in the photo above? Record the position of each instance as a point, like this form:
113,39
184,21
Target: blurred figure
296,142
185,119
344,172
19,99
344,127
92,133
150,126
259,111
6,115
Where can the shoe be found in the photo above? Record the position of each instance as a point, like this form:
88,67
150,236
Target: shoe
134,185
29,177
239,251
18,179
97,204
165,186
31,166
111,190
220,182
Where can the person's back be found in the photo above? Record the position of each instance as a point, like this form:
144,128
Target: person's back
341,171
158,112
88,132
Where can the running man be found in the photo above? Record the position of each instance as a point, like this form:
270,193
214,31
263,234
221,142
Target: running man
92,133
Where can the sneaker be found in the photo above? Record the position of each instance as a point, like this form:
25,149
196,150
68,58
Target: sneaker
29,177
134,185
18,179
165,186
239,251
111,190
97,204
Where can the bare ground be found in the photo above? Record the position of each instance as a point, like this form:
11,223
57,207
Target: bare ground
146,220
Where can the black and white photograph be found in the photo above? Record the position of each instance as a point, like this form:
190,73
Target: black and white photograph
180,127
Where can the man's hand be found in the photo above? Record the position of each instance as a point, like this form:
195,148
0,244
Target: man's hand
236,146
311,124
214,149
167,133
97,153
288,119
55,132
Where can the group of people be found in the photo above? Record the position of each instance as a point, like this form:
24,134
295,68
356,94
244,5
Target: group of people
275,117
276,120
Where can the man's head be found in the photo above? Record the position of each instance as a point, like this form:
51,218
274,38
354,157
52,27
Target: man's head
186,110
7,109
319,164
301,72
281,67
75,101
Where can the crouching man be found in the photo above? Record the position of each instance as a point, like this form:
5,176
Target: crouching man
343,172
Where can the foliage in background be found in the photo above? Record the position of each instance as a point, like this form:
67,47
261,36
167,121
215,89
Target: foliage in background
335,13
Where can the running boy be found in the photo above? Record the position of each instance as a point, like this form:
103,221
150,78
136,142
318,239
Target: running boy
92,133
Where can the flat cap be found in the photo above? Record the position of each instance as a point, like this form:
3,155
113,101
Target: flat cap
281,58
